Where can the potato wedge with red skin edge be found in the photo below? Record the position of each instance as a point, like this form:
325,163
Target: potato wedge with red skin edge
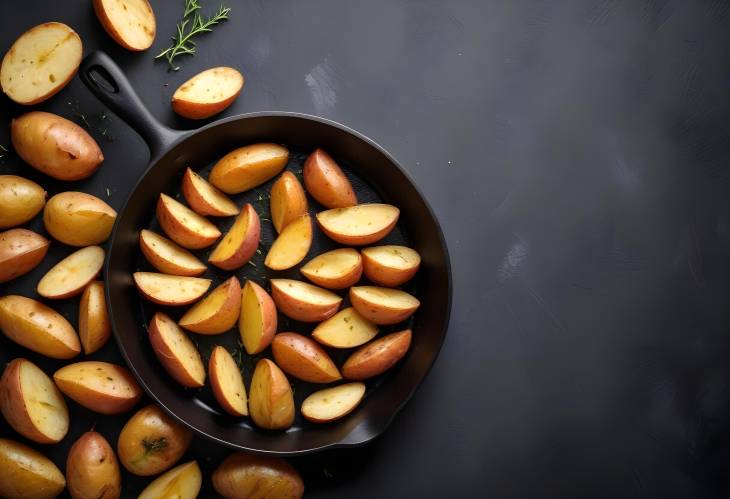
390,265
78,219
292,245
205,199
377,356
270,401
183,225
217,312
31,403
99,386
257,321
331,404
303,358
383,305
336,269
94,328
92,469
226,382
247,167
170,290
167,257
346,329
151,442
181,482
20,200
21,251
302,301
26,473
177,353
38,327
40,63
358,225
130,23
71,275
240,242
287,200
326,182
207,93
245,476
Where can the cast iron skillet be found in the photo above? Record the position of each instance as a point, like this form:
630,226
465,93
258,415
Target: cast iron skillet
375,175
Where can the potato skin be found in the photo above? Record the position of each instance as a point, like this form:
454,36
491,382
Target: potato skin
249,244
377,356
20,200
201,110
247,167
270,401
26,473
304,359
92,470
78,219
326,182
55,146
171,362
94,327
21,251
245,476
76,381
287,200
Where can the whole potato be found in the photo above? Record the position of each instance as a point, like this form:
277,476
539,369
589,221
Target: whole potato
26,473
78,219
20,200
21,251
244,476
55,146
92,470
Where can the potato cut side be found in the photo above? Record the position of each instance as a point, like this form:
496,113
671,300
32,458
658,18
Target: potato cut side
383,305
94,327
227,382
292,245
271,403
177,353
40,63
247,167
217,312
390,265
333,403
181,482
99,386
166,289
287,201
168,257
205,199
240,243
21,251
359,225
26,473
207,93
20,200
346,329
302,301
183,225
336,269
70,276
257,322
131,23
303,358
377,356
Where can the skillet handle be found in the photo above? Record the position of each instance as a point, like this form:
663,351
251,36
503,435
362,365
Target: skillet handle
107,82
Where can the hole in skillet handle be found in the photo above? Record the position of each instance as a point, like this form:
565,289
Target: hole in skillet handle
102,79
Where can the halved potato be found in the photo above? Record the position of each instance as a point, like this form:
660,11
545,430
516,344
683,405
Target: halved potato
326,182
383,305
257,322
390,265
35,326
227,382
333,403
246,167
270,402
181,482
346,329
168,257
207,93
166,289
94,328
78,219
302,301
70,276
240,242
20,200
358,225
21,251
31,403
205,199
99,386
288,200
245,476
304,359
336,269
377,356
40,63
217,312
292,245
176,351
130,23
26,473
92,469
183,225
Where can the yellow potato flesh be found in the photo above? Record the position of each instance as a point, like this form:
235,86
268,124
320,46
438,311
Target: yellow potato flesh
346,329
72,273
26,473
132,21
292,245
217,312
251,323
397,257
333,264
212,85
78,219
95,377
211,195
359,220
168,289
229,380
232,240
94,328
188,218
43,401
287,200
247,167
333,403
386,297
171,253
305,292
182,348
271,403
181,482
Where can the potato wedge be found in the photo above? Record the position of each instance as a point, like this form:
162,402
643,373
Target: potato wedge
302,301
247,167
240,242
130,23
245,476
170,290
346,329
20,200
78,219
207,93
205,199
31,403
70,276
292,245
333,403
176,351
99,386
304,359
217,312
151,442
336,269
287,201
168,257
183,225
181,482
377,356
94,327
92,469
257,321
326,182
25,473
383,305
40,63
37,327
270,403
358,225
21,251
390,265
227,382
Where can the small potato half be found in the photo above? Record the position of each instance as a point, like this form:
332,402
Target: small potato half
170,290
78,219
21,251
303,358
130,23
377,356
167,257
383,305
390,265
92,469
99,386
176,351
207,93
227,382
326,182
247,167
94,327
239,244
25,473
302,301
292,245
20,200
181,482
217,312
183,225
336,269
270,402
288,200
333,403
204,199
245,476
346,329
257,321
70,276
358,225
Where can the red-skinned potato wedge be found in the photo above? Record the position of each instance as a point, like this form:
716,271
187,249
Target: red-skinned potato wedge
270,403
304,359
176,351
336,269
70,276
240,242
217,312
20,200
94,328
358,225
31,403
326,182
21,251
26,473
227,383
170,290
247,167
181,482
78,219
92,469
183,225
207,93
99,386
390,265
383,305
333,403
244,476
292,245
377,356
287,201
204,199
257,321
130,23
167,257
346,329
302,301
